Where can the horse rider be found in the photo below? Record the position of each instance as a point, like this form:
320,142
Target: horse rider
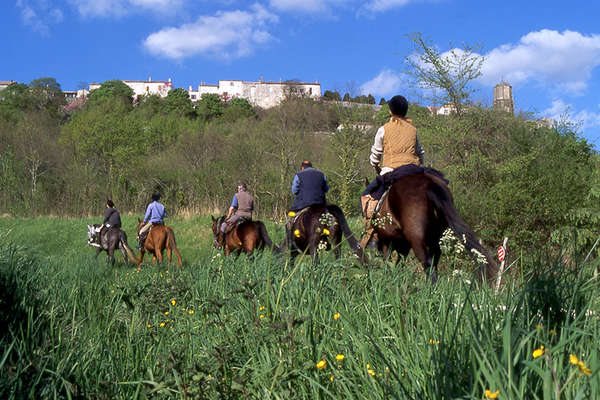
396,145
112,218
242,206
309,187
155,212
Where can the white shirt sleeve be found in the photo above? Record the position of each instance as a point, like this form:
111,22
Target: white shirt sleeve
377,148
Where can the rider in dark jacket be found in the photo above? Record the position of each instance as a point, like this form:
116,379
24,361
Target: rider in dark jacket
309,186
112,218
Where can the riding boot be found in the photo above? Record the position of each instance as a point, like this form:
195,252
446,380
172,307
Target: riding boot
369,238
141,240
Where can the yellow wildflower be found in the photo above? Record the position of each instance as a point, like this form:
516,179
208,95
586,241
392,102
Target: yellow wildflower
297,233
538,326
149,326
336,316
261,308
173,302
552,332
491,395
162,324
432,341
538,352
321,364
112,291
331,378
166,313
579,363
261,316
292,214
191,312
573,359
584,368
371,372
326,231
339,357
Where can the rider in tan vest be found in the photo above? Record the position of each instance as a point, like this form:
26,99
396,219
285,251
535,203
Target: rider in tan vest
396,144
242,206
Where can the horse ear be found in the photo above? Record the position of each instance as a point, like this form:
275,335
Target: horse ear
213,218
367,181
139,220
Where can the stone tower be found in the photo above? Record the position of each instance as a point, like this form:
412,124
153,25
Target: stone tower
503,98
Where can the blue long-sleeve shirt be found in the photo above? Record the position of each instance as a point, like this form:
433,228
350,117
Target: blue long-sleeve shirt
155,213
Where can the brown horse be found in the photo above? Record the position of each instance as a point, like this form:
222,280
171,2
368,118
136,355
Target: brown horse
245,236
159,238
320,227
415,213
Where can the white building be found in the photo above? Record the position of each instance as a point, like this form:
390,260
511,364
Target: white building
261,94
5,84
142,88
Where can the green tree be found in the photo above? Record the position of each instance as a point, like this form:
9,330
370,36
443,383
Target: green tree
178,101
209,107
110,90
382,101
238,108
448,76
332,96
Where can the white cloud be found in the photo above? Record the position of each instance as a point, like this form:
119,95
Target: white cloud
230,34
561,60
386,83
117,8
586,119
38,15
305,6
384,5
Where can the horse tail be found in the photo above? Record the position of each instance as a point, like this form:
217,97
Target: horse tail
264,235
130,253
354,245
441,197
172,245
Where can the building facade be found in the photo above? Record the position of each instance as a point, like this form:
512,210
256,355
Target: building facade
261,94
142,88
5,84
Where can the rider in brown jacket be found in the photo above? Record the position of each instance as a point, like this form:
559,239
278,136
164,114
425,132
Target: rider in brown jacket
396,144
242,206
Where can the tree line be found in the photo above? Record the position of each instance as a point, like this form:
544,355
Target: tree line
509,176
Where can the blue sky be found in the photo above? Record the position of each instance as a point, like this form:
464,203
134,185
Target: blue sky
548,51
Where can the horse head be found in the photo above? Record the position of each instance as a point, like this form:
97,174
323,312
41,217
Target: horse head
218,236
93,235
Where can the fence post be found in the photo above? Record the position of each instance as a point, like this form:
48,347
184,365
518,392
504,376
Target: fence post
499,278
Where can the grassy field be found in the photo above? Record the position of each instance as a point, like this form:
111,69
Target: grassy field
263,328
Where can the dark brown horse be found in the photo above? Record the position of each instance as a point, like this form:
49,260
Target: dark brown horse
245,236
318,228
415,213
159,238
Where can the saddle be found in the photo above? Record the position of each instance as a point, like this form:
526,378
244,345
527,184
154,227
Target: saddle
232,225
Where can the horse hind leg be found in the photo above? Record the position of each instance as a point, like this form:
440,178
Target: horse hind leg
425,256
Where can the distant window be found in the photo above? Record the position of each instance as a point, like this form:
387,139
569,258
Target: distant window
231,83
309,90
193,97
147,88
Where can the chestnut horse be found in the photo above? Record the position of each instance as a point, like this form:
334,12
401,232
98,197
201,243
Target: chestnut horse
245,236
159,238
415,213
320,227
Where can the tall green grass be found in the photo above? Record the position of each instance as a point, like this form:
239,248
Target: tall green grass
257,328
